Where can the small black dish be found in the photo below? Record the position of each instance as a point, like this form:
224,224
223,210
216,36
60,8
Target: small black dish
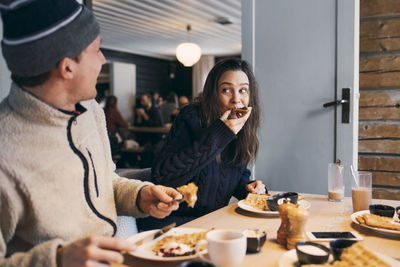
274,201
311,253
338,245
381,210
255,240
196,264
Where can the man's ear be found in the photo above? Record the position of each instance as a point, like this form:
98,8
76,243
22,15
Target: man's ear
66,68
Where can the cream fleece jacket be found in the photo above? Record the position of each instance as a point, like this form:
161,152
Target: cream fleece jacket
57,179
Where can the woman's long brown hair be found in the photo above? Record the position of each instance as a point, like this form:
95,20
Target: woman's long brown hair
246,144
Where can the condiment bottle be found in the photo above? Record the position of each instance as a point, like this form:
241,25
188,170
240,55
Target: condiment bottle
298,219
284,228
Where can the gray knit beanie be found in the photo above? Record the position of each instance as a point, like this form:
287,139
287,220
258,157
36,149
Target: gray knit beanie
37,34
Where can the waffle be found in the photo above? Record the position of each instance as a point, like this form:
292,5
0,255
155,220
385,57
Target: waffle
358,256
189,193
378,221
171,246
258,201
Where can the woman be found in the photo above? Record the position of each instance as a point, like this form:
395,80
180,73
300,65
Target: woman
211,146
114,118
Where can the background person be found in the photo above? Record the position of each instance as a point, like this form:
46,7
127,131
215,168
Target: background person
171,104
59,194
211,147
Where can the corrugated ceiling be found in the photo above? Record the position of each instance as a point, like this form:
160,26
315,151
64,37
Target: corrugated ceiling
156,27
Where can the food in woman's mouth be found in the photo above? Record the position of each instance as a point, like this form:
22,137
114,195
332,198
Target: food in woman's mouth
238,113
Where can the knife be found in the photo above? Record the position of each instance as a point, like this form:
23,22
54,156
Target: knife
153,236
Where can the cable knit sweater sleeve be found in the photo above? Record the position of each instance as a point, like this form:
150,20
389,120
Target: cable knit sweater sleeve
12,211
189,148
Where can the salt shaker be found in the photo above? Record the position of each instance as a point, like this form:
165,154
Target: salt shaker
284,228
297,219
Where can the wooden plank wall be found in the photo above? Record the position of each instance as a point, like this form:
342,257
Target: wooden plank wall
379,114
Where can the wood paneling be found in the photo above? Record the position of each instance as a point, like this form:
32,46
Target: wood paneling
379,163
381,35
379,8
386,179
380,80
382,28
379,146
385,193
385,45
366,114
379,131
379,99
380,64
379,113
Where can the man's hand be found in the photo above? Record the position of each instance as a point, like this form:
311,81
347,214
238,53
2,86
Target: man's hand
235,124
93,251
256,187
158,201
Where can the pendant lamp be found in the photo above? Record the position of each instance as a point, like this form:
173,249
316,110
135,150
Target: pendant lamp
188,53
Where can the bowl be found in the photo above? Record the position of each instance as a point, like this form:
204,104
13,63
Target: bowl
311,253
255,240
196,264
278,199
381,210
398,212
338,245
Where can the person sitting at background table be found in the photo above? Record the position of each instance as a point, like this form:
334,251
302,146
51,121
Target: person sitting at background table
171,103
148,115
59,194
114,119
210,146
183,101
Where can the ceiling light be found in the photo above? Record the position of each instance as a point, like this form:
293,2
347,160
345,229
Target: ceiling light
188,53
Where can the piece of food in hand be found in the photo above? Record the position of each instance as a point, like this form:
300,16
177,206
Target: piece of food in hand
189,193
258,201
179,245
238,113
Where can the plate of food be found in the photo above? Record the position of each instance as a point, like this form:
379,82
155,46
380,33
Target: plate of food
380,224
176,245
257,203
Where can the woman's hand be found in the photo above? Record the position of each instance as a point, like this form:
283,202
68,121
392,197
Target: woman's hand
158,201
93,251
256,187
235,124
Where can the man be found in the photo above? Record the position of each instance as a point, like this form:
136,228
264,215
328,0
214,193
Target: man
148,115
59,194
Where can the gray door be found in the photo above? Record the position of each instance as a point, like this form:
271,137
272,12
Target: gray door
303,53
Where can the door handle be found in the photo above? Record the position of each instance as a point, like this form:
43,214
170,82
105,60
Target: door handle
345,102
335,103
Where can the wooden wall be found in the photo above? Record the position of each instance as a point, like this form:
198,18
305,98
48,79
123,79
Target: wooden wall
379,126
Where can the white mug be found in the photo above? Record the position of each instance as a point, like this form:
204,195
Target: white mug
226,248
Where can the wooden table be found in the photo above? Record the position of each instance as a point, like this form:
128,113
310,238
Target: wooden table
324,216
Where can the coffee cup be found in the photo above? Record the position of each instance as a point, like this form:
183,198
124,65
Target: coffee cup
226,248
335,182
361,191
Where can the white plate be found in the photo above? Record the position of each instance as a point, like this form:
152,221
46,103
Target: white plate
379,230
302,204
289,259
145,251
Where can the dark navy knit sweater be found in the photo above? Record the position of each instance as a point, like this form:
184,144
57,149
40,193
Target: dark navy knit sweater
189,155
